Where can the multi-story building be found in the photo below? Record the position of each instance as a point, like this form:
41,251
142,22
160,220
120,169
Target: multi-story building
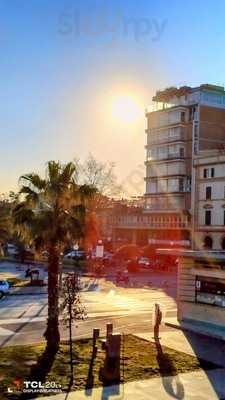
209,215
181,123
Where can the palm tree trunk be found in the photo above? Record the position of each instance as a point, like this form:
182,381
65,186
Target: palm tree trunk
52,331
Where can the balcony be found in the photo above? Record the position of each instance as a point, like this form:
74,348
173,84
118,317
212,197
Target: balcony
166,157
166,170
170,119
174,156
147,222
159,139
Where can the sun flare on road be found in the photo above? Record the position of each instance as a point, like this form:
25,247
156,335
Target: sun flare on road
126,109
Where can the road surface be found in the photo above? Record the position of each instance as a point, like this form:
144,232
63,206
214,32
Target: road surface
23,317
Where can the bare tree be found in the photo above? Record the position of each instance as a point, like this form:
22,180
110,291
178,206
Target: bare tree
71,307
101,175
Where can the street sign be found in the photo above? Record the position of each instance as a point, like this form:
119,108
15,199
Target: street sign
99,251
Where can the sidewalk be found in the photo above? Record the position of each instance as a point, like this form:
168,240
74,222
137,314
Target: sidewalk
199,346
188,386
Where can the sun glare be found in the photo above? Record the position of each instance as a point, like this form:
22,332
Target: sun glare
126,109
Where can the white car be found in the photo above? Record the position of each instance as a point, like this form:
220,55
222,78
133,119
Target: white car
4,288
144,262
12,249
75,254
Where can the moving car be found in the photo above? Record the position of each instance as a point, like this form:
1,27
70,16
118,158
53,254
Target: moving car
4,288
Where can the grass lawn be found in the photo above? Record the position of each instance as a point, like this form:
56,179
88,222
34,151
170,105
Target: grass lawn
139,360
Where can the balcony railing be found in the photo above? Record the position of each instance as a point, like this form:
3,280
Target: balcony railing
149,223
157,139
174,156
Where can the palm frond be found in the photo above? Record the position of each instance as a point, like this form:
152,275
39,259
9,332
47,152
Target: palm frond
87,192
53,171
68,173
33,181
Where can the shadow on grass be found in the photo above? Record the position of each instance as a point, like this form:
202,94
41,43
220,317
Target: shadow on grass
70,385
110,373
110,385
40,370
168,371
90,378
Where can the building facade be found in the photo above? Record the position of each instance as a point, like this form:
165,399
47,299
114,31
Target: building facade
181,123
209,216
200,291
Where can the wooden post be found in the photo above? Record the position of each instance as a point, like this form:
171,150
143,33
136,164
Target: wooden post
109,329
96,332
158,320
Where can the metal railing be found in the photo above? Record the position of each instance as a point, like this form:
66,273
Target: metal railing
151,223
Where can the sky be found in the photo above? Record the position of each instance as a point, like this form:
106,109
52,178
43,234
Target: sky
67,66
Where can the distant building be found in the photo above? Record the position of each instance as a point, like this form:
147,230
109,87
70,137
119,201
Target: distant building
115,218
209,216
181,123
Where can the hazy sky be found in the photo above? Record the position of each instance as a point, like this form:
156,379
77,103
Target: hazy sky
63,63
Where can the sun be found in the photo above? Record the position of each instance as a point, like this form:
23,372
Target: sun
126,109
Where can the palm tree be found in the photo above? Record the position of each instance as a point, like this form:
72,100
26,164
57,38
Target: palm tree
4,227
5,220
52,212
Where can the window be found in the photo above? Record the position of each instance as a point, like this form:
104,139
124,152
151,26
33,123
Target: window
181,185
192,111
208,193
181,152
223,244
182,116
206,173
210,291
173,185
152,188
208,243
208,217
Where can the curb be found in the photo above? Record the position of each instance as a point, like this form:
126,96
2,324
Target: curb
27,294
196,330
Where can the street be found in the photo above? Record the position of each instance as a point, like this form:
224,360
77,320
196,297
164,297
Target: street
23,317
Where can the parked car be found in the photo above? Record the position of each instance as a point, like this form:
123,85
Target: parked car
11,249
4,288
144,262
25,254
74,254
45,254
133,266
106,256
